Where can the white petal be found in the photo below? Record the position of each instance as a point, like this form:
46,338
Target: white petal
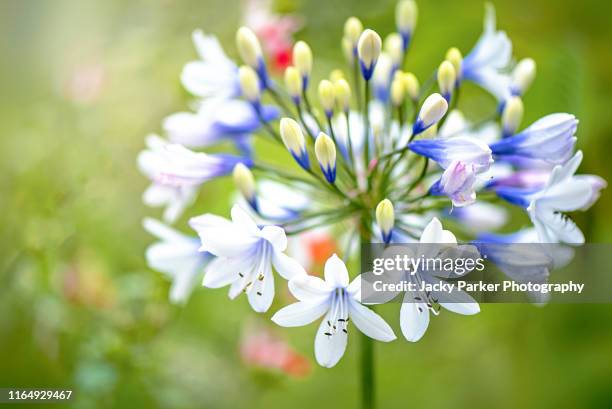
286,266
309,288
432,232
262,301
300,313
336,274
569,195
276,236
227,241
369,322
414,319
183,285
329,349
220,272
242,220
562,227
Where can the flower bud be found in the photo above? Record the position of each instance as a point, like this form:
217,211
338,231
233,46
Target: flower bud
248,47
293,138
398,90
385,218
512,116
453,55
249,84
368,49
348,50
523,75
342,91
352,30
293,83
393,47
406,13
432,110
302,58
446,79
336,75
412,86
325,151
243,178
326,96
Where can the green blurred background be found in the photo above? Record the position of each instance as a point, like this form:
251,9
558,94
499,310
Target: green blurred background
83,82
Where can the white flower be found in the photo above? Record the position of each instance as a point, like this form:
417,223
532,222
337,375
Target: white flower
336,299
174,198
491,54
245,256
564,192
176,255
414,313
214,75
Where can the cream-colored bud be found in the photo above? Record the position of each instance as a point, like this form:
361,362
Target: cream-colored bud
352,30
412,86
368,49
433,109
512,115
385,218
453,55
292,136
243,178
248,47
523,75
342,91
347,50
325,151
336,75
326,96
293,82
406,13
398,90
249,83
302,58
446,79
393,47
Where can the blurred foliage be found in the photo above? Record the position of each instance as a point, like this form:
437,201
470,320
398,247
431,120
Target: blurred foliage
84,81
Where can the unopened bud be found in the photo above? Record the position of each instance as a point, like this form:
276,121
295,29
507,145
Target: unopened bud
243,178
326,96
453,55
446,79
293,83
293,138
432,110
393,47
398,90
412,86
512,116
368,49
523,75
249,83
352,30
406,13
342,91
302,59
325,151
248,47
385,218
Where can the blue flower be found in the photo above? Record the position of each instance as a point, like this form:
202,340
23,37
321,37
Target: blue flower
461,148
550,138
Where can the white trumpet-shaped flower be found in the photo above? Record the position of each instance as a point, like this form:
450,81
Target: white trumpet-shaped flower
416,306
176,255
245,254
335,298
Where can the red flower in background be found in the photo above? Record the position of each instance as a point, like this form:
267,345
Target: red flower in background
275,31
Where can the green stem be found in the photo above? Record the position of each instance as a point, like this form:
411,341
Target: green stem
366,343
